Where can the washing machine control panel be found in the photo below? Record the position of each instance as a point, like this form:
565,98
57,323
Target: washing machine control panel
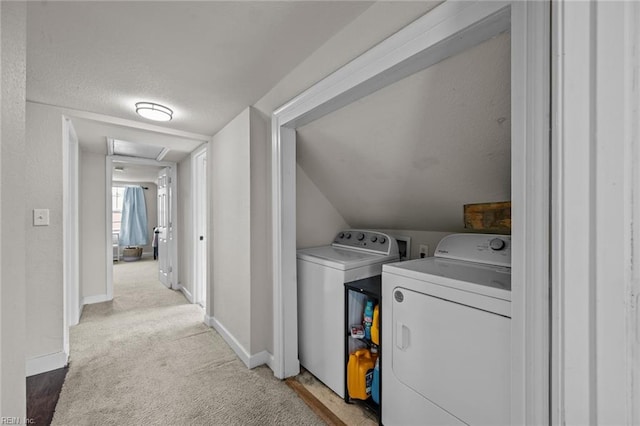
366,240
491,249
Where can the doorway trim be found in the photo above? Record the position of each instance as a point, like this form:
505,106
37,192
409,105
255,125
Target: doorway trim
71,219
446,30
173,246
196,209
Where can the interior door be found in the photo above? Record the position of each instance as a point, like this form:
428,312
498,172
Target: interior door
201,229
164,226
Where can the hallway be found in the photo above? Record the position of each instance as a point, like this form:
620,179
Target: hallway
147,358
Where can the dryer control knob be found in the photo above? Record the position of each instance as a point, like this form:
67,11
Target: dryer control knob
374,238
348,235
383,240
496,244
360,236
341,235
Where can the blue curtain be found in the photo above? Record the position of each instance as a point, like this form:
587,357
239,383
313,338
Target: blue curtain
133,229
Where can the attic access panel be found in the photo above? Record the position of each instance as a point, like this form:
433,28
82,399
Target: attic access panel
134,149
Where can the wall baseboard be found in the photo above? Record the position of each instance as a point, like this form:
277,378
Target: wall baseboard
251,361
98,298
45,363
186,293
261,358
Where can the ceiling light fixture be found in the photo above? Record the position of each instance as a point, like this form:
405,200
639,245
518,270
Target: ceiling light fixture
153,111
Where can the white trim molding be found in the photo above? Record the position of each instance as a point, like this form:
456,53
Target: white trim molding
448,29
45,363
186,292
251,361
530,196
98,298
596,188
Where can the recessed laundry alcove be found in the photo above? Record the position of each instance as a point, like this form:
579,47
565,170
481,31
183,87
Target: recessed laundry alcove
409,156
512,157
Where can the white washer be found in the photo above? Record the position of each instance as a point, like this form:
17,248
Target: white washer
446,325
322,272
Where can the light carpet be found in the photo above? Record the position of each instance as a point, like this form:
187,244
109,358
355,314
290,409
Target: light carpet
147,358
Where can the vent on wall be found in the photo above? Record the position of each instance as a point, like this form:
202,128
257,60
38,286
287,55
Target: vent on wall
133,149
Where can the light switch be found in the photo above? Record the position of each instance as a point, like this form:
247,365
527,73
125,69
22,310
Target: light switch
40,217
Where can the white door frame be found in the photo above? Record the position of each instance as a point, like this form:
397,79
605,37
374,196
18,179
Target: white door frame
173,245
70,223
198,179
596,237
446,30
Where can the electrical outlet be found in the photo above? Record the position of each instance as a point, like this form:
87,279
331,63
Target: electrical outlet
424,251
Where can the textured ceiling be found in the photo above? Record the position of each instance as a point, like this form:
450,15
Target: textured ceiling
412,154
206,60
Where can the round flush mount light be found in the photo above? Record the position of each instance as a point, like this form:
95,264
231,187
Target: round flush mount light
155,112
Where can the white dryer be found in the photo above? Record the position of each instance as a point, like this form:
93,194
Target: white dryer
322,273
446,327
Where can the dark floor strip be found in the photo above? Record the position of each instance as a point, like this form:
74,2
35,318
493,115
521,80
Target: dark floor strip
43,391
314,403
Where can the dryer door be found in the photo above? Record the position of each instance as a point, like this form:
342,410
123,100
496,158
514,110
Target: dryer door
456,356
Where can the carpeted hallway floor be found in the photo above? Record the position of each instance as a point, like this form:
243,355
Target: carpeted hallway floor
147,358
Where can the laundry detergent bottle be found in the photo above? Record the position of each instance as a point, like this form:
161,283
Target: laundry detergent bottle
375,326
375,385
368,319
360,374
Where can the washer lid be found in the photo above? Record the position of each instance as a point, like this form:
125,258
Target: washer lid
343,259
488,280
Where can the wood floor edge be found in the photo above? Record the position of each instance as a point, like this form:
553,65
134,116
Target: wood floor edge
314,403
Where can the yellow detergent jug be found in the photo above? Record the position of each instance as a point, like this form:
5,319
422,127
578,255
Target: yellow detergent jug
360,374
375,326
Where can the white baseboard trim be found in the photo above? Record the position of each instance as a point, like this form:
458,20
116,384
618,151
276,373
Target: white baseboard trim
45,363
98,298
186,293
251,361
261,358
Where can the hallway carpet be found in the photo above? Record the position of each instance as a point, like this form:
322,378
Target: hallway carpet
146,358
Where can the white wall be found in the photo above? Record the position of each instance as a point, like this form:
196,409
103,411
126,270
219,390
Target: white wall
412,154
230,253
92,202
261,261
429,238
317,220
43,178
240,262
12,210
185,236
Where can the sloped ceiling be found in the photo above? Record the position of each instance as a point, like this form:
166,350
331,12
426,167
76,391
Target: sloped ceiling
412,154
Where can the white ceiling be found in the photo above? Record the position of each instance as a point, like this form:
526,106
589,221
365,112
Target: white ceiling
412,154
205,60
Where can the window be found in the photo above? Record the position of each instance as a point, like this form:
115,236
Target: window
117,194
